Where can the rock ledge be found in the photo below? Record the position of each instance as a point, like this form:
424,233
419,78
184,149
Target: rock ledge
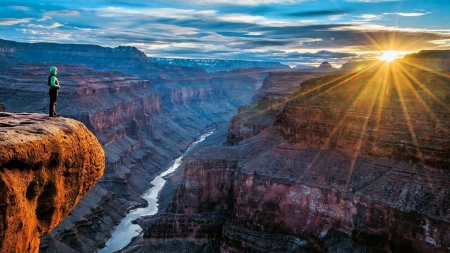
46,166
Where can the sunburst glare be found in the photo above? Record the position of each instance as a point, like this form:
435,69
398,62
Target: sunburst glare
390,55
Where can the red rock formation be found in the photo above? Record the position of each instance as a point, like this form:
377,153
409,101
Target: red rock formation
354,162
253,118
46,166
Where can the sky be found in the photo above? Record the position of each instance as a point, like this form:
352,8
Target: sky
293,32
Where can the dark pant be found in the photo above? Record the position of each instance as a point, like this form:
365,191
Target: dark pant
53,96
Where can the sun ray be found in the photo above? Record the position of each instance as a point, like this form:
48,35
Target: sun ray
341,121
421,85
426,69
392,42
406,114
414,42
364,129
404,72
343,82
373,41
411,129
381,98
351,74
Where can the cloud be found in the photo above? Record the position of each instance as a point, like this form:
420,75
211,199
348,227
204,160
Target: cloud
176,30
44,18
318,13
241,18
371,1
411,14
13,21
323,54
369,17
241,2
260,30
20,8
116,12
63,13
54,25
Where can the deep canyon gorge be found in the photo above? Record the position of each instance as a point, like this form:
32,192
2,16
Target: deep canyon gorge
348,161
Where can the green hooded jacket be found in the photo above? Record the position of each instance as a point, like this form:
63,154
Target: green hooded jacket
52,81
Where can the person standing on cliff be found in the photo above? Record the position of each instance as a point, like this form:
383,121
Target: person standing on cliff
53,83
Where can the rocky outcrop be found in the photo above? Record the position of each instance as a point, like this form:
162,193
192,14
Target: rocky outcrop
47,165
326,67
354,162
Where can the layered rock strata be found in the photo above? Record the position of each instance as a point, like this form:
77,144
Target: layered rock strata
47,165
254,117
354,162
141,126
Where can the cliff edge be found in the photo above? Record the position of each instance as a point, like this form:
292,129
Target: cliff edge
46,166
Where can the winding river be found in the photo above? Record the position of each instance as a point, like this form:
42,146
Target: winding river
125,231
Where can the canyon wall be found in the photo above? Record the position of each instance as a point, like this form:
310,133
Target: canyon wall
143,114
47,165
352,162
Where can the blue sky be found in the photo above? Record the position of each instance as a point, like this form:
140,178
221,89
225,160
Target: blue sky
293,32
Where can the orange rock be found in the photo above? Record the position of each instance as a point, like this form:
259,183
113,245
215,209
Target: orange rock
46,166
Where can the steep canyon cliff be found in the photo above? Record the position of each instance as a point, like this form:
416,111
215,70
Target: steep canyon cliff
349,162
144,115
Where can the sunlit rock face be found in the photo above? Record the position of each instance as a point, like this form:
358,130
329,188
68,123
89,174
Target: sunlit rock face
352,163
47,165
388,112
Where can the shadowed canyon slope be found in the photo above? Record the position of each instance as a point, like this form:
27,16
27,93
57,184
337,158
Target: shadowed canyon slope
144,115
47,165
349,162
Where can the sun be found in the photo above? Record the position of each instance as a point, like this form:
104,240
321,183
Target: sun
389,56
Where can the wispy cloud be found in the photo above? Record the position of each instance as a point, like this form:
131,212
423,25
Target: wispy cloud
176,30
319,13
54,25
242,2
44,18
369,17
63,13
19,8
371,1
13,21
412,14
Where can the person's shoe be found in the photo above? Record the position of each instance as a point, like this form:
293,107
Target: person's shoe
56,115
